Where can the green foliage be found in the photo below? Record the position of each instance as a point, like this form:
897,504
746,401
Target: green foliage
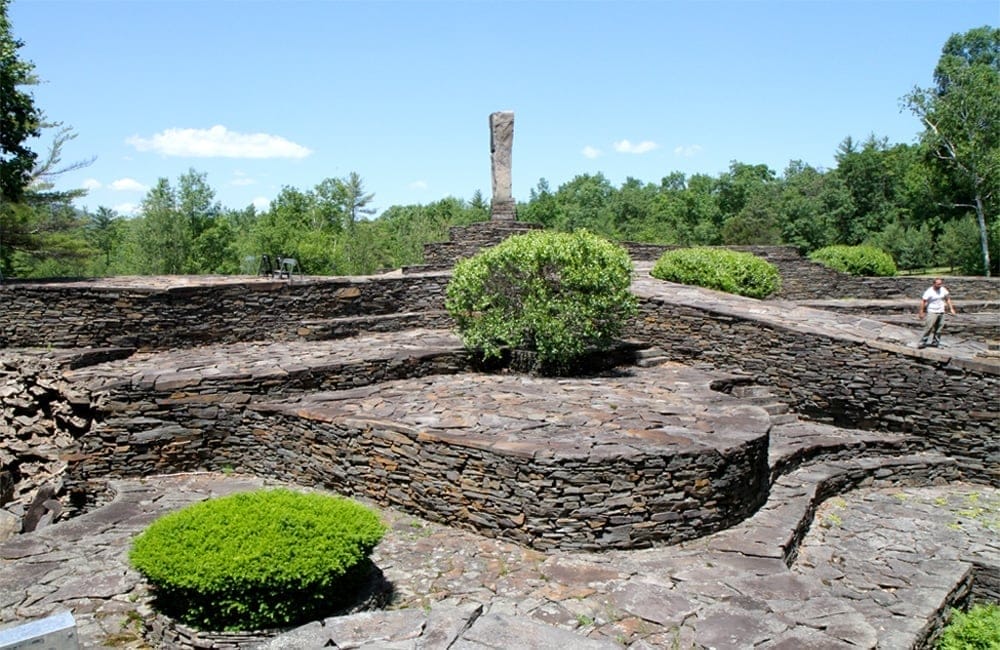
856,260
977,629
960,248
257,560
717,268
912,247
811,204
20,119
561,295
961,119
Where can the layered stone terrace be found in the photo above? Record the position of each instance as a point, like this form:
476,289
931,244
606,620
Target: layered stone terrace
841,367
632,457
624,460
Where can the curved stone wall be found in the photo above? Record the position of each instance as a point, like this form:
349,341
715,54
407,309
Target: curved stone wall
602,499
179,420
620,463
837,375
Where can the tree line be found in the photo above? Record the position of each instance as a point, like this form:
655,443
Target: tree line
932,204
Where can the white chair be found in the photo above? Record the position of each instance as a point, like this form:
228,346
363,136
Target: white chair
286,267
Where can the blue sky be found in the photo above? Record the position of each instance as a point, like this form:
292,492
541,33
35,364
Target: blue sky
264,94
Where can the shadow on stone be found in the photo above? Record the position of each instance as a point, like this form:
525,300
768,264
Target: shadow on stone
368,591
591,363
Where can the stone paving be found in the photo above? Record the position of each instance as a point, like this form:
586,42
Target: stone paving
796,315
259,363
868,575
860,544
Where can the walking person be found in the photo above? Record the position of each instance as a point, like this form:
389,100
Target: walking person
933,304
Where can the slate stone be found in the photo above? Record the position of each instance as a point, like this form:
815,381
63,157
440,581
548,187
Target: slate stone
730,628
652,602
501,631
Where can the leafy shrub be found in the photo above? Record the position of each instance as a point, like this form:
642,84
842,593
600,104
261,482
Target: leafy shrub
856,260
977,629
255,560
560,295
717,268
961,246
911,247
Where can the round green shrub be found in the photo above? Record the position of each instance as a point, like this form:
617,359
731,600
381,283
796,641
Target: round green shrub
717,268
856,260
977,629
256,560
560,295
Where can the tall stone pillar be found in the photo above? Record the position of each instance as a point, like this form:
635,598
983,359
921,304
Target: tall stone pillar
503,208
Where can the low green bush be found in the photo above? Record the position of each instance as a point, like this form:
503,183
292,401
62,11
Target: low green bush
561,295
856,260
717,268
977,629
256,560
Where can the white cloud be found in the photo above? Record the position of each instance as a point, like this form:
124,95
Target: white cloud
418,185
687,150
590,152
127,185
91,184
126,209
261,203
218,142
624,146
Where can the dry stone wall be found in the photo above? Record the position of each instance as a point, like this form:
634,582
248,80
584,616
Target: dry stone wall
77,315
802,279
951,404
621,498
466,241
954,405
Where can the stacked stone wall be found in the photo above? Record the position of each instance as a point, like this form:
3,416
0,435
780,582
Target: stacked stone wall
466,241
622,498
953,404
84,315
802,279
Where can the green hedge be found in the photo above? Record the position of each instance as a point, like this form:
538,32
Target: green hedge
561,295
257,560
717,268
977,629
856,260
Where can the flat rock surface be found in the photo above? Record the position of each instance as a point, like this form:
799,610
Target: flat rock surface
869,568
257,360
662,408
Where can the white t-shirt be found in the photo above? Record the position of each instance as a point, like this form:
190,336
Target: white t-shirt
935,299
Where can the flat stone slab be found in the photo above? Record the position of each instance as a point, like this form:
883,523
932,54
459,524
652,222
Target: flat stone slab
457,589
258,361
665,407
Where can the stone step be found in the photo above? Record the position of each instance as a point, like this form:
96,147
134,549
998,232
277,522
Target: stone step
771,406
801,442
653,356
784,418
777,529
651,361
752,391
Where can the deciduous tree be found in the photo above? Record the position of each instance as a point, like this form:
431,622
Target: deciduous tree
20,119
961,118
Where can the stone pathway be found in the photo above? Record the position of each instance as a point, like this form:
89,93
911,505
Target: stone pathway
851,550
796,315
870,574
